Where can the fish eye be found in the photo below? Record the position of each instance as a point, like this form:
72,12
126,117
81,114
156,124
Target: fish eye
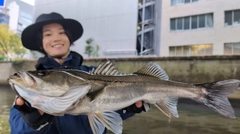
42,73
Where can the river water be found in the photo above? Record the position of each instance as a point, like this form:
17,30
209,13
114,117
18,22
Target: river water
193,118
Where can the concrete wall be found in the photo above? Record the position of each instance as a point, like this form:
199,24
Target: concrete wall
184,69
6,69
218,35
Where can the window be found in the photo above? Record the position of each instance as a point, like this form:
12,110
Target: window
179,2
148,40
232,17
209,49
149,10
173,24
236,17
172,51
147,19
232,48
191,50
186,23
179,50
140,16
186,50
191,22
140,3
179,23
146,1
209,20
201,21
194,22
145,29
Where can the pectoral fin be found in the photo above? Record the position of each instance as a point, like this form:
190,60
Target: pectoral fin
110,120
168,107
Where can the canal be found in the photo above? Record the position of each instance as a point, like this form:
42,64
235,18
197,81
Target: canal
193,118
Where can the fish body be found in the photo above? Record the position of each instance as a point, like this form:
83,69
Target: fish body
127,90
104,90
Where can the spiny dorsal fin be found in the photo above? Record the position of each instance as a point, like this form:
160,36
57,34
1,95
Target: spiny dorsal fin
106,68
153,69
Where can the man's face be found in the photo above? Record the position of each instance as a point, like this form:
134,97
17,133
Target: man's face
55,41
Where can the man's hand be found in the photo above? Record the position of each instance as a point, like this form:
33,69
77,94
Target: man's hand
138,104
35,118
138,107
20,102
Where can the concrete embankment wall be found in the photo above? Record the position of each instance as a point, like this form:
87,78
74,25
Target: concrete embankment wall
6,69
198,69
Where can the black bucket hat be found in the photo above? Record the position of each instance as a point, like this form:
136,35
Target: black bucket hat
29,34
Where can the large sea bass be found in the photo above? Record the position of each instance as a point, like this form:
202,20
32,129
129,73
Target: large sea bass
104,90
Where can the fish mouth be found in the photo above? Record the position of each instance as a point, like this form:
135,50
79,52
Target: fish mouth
22,79
13,81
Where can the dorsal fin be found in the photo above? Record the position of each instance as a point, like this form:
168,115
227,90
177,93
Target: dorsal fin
153,69
106,68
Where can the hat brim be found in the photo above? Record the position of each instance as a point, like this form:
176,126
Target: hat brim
29,35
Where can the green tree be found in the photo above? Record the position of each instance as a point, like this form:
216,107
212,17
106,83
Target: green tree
91,49
10,44
95,52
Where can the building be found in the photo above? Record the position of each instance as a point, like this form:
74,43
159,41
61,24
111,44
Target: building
147,30
9,15
112,24
200,27
129,28
13,12
17,14
4,18
25,15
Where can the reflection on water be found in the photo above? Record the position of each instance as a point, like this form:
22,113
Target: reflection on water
6,100
193,119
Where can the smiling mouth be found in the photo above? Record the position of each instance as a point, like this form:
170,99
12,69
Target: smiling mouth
57,46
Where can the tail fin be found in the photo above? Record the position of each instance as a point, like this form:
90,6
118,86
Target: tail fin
216,96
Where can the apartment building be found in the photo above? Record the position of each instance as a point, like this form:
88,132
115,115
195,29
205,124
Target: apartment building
200,27
17,14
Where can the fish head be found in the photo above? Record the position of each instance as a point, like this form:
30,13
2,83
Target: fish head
52,91
45,82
